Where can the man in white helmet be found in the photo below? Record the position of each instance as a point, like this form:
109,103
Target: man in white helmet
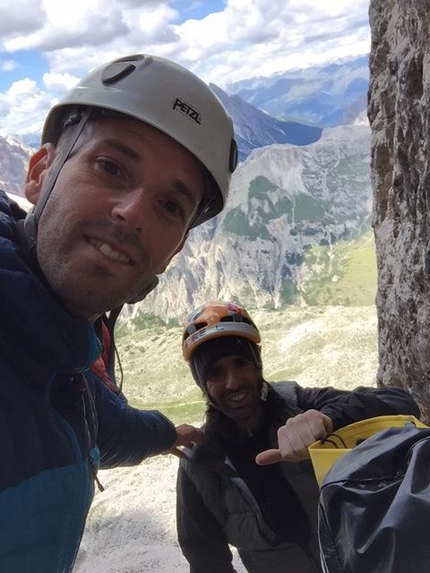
231,488
134,156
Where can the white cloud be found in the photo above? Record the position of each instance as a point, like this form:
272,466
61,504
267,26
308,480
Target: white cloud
270,35
23,108
260,38
21,17
247,38
87,24
59,82
72,24
7,65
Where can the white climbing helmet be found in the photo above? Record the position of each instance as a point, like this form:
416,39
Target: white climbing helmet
170,98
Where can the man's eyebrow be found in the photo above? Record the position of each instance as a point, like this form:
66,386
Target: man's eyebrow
179,186
122,147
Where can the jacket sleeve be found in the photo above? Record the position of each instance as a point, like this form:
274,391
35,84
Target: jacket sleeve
126,435
200,536
344,407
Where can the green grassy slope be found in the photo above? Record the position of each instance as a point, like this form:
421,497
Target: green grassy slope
344,274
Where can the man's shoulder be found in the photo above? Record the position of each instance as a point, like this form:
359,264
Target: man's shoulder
10,251
284,399
6,216
286,389
4,202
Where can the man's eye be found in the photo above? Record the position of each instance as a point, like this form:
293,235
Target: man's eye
173,208
110,167
213,376
242,363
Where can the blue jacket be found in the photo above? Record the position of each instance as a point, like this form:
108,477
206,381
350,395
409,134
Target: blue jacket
58,421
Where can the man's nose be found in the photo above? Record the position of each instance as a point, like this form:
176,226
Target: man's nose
232,380
132,208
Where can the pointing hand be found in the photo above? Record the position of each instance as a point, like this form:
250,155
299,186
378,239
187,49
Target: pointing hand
295,436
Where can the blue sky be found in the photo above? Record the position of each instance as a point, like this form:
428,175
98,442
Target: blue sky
47,45
194,9
24,63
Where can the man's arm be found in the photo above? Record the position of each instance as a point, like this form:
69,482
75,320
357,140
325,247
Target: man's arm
344,408
328,409
127,435
200,536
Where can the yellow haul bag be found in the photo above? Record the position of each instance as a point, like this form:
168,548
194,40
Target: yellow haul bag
325,453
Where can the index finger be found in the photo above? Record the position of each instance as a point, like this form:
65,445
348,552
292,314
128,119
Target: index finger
268,457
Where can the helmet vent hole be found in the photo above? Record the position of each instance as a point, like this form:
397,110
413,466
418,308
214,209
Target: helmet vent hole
236,318
192,328
115,72
132,58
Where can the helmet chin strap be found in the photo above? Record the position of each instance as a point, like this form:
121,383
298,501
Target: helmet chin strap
32,219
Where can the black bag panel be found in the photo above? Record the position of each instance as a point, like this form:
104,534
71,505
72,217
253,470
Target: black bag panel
374,508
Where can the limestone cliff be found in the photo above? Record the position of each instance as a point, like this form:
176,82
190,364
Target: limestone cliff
399,114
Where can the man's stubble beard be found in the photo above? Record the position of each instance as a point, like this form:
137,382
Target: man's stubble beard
84,299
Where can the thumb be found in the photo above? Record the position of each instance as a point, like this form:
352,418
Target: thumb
178,453
175,452
268,457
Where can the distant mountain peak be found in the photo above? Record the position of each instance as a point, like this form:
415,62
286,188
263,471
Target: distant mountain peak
254,128
317,95
14,157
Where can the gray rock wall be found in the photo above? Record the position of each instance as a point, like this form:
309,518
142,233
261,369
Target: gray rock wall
399,114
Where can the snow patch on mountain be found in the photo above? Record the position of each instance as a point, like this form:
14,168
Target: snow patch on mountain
14,157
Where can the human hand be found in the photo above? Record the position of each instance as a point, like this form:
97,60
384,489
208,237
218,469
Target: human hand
187,436
295,436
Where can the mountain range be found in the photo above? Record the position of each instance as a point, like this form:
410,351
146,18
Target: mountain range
285,201
297,193
254,128
290,107
322,96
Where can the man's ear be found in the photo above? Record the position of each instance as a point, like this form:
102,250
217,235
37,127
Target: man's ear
177,250
37,170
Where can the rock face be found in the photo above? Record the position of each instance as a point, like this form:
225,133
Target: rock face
399,114
283,201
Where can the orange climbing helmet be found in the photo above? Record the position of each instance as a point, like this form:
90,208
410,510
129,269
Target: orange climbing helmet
217,319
